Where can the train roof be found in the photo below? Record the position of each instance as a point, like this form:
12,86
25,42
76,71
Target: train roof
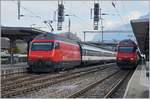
127,42
51,36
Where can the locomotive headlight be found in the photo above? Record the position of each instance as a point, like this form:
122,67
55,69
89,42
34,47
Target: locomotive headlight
119,58
131,58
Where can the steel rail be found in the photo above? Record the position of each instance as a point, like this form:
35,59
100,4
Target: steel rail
24,82
45,84
115,87
83,90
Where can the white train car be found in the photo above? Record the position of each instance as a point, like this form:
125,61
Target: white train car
94,54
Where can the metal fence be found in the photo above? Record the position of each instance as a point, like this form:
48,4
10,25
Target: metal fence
16,59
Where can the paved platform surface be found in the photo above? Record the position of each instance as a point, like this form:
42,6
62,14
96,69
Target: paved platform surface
139,84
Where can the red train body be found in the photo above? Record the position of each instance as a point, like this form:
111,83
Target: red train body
53,53
127,54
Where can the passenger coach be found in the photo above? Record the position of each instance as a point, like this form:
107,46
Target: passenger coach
94,54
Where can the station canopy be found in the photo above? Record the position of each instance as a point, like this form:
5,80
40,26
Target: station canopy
20,32
141,31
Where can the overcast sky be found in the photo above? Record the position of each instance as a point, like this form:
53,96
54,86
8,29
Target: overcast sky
81,9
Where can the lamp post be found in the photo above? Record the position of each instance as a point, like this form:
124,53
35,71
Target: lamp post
69,24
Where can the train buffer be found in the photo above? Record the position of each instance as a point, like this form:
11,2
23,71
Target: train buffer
139,84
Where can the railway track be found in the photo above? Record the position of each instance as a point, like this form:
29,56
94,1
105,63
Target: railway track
115,87
107,92
14,77
36,84
31,78
65,88
19,79
83,90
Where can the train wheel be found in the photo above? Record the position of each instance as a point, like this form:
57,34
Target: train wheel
58,67
121,67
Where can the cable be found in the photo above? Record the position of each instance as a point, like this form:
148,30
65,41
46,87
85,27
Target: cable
33,14
117,11
28,10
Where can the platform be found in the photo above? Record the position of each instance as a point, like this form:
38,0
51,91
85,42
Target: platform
14,68
139,84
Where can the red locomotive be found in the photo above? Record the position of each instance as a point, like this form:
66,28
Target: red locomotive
127,54
50,52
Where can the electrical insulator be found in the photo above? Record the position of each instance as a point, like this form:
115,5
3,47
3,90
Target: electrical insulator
60,13
96,12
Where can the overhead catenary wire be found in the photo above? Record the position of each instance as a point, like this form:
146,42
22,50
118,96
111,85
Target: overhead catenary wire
33,14
114,5
118,13
78,18
24,8
123,6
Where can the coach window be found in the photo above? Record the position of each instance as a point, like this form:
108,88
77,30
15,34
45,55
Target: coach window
84,52
100,53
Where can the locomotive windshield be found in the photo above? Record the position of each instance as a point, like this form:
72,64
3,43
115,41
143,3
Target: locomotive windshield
126,49
42,46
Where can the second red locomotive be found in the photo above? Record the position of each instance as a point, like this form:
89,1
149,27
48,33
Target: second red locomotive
127,54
